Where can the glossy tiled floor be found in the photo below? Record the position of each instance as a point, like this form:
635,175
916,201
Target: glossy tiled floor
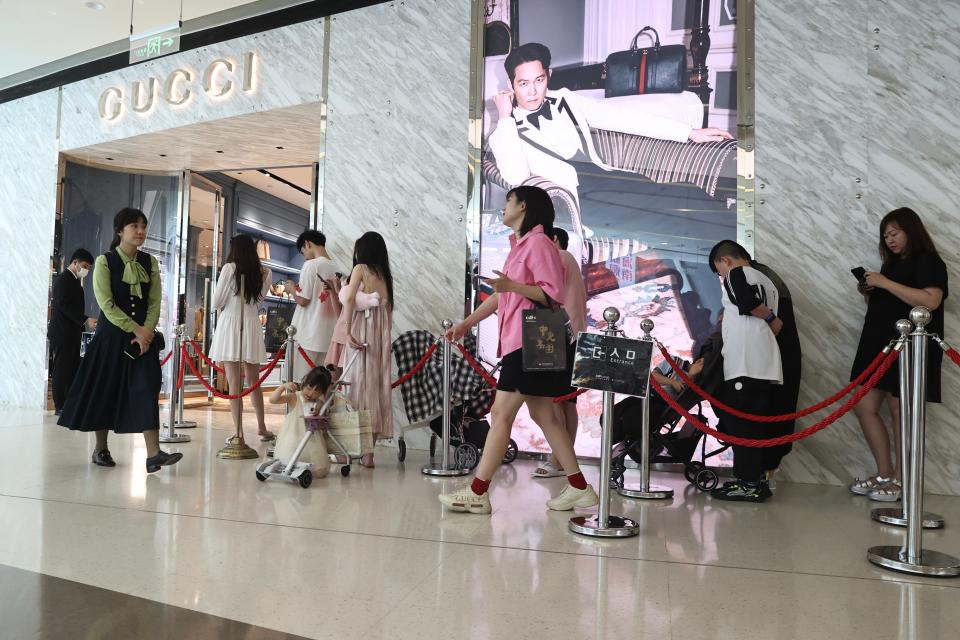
375,556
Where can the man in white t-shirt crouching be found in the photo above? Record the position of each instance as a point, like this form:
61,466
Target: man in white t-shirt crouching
317,306
752,368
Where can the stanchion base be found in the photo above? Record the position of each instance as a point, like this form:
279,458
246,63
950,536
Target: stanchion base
653,492
237,449
617,527
177,437
895,517
438,470
186,424
932,563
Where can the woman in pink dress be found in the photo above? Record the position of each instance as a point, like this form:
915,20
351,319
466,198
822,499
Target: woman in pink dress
365,325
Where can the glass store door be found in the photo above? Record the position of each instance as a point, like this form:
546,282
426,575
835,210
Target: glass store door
203,232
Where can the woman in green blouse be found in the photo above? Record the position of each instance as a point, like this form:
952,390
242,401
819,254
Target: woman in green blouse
118,385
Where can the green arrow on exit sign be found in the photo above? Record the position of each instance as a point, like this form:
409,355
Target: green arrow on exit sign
159,42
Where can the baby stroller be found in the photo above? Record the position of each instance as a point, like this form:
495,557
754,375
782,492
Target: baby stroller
468,431
669,442
423,399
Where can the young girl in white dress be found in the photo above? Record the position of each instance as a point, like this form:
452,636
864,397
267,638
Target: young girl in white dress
303,400
226,346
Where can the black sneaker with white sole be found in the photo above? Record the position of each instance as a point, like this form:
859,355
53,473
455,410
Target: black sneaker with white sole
742,491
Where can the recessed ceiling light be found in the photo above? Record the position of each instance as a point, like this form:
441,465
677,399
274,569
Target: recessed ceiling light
95,6
664,243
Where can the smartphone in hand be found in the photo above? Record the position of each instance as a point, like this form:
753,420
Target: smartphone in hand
859,273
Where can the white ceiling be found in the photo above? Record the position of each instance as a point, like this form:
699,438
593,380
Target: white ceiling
37,32
277,138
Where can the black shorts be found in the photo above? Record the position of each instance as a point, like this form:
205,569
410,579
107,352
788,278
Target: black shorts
549,384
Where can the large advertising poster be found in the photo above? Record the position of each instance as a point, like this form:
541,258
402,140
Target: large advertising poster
623,110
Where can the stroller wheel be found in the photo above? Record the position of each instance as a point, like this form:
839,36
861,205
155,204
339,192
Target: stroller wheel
512,451
707,480
433,445
260,476
305,479
467,456
345,470
401,450
690,471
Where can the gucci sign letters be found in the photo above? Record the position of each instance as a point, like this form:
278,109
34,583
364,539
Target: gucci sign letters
218,81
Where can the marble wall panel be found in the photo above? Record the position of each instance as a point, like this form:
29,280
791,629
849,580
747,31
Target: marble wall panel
846,132
288,72
396,149
28,178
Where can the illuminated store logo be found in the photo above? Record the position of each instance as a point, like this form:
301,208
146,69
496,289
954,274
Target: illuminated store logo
218,80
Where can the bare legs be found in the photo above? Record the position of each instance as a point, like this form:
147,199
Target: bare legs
544,413
252,374
875,431
571,421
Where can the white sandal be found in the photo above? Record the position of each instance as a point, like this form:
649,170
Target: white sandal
548,470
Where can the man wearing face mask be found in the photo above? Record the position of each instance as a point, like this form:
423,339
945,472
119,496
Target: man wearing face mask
67,319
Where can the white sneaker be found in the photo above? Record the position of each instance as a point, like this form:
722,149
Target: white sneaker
464,499
570,498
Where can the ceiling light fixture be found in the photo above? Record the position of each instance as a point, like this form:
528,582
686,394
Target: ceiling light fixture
95,6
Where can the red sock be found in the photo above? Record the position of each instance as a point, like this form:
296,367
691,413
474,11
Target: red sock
479,486
577,481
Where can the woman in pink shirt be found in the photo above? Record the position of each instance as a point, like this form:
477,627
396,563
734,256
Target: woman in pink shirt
533,273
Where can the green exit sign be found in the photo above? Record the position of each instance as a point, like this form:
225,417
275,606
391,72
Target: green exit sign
156,43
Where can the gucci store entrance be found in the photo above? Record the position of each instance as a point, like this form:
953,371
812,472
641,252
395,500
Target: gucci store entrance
199,185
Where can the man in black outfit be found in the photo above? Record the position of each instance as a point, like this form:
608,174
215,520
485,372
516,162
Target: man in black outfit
67,319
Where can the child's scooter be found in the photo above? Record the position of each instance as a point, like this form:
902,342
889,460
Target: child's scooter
302,472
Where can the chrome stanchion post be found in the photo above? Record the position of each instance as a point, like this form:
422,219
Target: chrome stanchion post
912,557
646,491
170,433
603,524
290,353
445,468
181,393
891,515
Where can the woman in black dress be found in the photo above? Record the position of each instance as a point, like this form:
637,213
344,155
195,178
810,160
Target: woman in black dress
118,385
912,275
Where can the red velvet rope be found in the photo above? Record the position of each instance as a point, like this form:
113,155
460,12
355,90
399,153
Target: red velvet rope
211,363
245,392
489,379
167,358
416,367
793,437
571,396
716,404
180,374
954,355
305,357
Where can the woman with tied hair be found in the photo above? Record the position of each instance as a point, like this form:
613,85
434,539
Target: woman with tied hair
118,384
532,274
912,274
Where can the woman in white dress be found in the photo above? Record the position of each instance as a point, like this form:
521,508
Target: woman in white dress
226,346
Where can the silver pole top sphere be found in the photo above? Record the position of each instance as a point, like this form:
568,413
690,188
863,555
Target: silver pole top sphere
904,327
920,316
447,324
646,325
611,315
291,331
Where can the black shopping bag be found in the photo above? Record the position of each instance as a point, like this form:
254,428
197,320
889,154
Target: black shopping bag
544,339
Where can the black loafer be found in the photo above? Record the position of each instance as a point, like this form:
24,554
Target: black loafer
103,458
162,459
